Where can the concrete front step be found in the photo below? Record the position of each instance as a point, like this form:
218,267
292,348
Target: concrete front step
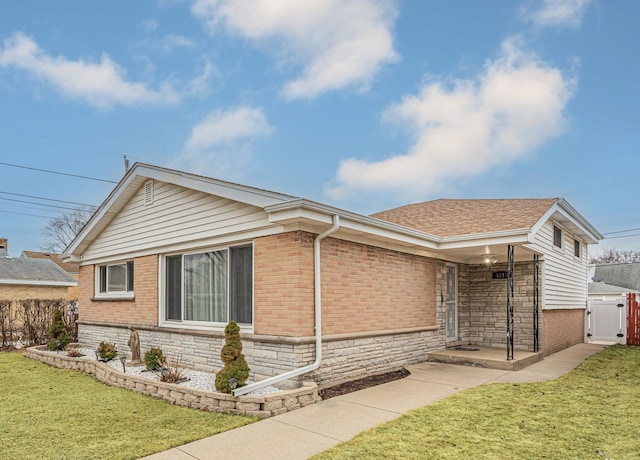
492,358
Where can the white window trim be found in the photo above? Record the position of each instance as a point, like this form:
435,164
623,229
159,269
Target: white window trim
582,248
553,237
201,325
111,295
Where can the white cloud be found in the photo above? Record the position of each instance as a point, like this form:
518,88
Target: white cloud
102,84
337,43
221,143
555,13
514,106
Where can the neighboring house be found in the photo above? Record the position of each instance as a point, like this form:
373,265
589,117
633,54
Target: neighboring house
22,278
72,268
178,255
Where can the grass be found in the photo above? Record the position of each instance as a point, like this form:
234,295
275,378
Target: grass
53,413
592,412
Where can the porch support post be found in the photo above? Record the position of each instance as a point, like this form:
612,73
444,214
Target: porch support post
510,301
536,303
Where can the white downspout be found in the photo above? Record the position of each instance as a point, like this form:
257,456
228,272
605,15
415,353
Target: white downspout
318,322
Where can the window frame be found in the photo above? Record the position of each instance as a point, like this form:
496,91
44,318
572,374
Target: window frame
577,248
194,324
102,290
553,239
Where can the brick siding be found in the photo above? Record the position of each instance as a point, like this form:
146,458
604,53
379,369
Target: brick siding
143,310
364,288
21,292
561,329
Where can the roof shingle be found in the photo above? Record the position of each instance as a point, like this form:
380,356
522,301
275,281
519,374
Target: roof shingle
450,217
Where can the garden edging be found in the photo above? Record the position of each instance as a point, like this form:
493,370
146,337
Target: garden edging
258,406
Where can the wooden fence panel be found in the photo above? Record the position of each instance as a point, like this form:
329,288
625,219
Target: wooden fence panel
633,320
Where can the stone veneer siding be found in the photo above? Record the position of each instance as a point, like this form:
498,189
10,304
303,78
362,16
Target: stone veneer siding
344,357
487,308
257,406
561,329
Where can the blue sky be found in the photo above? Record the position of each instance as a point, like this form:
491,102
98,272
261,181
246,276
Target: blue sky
362,104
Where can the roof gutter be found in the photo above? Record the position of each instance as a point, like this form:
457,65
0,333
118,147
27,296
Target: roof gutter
318,321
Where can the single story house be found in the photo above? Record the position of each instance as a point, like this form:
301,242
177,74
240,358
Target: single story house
319,292
72,268
22,278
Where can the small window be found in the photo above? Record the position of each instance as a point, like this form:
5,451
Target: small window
115,279
557,236
576,248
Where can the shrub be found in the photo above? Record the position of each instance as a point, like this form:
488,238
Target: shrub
173,369
58,337
153,357
235,366
74,350
107,351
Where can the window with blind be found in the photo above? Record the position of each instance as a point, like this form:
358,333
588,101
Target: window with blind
210,287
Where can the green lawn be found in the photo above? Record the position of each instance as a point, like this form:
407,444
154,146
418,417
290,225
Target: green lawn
592,412
54,413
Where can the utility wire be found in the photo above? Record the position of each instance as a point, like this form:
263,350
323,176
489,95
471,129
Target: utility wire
622,236
25,214
39,204
49,199
622,231
59,173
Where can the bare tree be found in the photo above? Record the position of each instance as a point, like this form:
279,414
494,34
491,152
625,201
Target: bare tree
613,255
60,231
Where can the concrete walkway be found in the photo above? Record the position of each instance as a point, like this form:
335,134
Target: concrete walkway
313,429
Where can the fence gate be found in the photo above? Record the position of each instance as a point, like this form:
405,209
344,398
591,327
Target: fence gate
633,320
607,320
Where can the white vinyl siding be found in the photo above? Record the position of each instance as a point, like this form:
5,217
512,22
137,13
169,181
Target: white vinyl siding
564,274
177,215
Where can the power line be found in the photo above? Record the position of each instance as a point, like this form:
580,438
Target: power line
49,199
622,236
622,231
39,204
57,172
25,214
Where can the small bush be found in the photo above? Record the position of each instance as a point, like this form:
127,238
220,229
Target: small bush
174,371
235,366
153,357
107,351
58,337
73,350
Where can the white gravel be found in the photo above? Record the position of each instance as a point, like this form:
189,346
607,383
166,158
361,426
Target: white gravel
196,379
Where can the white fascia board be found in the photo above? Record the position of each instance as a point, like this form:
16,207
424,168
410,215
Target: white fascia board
580,222
302,209
520,236
38,283
236,192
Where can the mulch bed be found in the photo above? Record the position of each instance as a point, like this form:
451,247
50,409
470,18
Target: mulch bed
362,383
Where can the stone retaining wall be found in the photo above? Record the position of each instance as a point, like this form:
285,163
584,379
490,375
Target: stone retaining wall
258,406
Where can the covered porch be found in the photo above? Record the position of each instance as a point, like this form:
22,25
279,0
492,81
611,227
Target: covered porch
491,307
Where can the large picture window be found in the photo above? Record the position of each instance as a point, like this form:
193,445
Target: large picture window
115,279
211,287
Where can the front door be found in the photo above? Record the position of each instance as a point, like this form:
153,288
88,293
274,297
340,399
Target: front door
451,296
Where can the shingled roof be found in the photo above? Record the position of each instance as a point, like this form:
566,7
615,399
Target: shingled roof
449,217
22,270
69,267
